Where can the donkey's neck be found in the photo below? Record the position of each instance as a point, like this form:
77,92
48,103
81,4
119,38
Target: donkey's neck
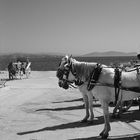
83,70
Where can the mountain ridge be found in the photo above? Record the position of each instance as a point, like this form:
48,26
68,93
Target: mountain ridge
92,54
110,53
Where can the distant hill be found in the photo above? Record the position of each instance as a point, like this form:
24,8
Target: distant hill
109,53
32,54
50,62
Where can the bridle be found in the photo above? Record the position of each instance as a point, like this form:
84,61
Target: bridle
67,67
64,72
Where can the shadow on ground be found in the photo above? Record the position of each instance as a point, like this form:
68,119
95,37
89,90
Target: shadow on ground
68,108
76,124
74,100
123,137
61,108
128,117
65,108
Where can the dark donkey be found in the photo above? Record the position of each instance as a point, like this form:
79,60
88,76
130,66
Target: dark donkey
12,70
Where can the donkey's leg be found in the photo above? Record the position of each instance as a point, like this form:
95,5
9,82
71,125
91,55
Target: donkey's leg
104,134
117,107
90,100
85,98
10,76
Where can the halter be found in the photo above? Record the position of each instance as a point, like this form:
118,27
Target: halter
64,82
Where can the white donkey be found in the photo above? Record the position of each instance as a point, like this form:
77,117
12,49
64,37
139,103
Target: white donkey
71,70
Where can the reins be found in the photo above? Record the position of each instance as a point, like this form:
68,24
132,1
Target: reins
70,83
133,89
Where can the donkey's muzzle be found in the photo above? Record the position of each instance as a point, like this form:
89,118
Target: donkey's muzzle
63,84
59,74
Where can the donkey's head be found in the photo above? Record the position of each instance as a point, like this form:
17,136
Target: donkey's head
65,72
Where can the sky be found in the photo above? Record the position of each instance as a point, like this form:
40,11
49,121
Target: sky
69,26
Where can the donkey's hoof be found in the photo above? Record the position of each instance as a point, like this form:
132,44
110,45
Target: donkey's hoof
83,121
101,134
104,136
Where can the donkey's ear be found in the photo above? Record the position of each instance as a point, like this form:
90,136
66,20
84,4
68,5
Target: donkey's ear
70,56
69,59
66,57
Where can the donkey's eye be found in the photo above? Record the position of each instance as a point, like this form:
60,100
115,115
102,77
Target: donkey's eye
67,66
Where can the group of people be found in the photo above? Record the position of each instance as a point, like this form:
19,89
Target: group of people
18,67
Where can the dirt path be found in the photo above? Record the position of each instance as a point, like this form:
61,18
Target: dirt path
37,109
27,105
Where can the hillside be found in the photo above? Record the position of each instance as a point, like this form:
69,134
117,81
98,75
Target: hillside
109,53
50,62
